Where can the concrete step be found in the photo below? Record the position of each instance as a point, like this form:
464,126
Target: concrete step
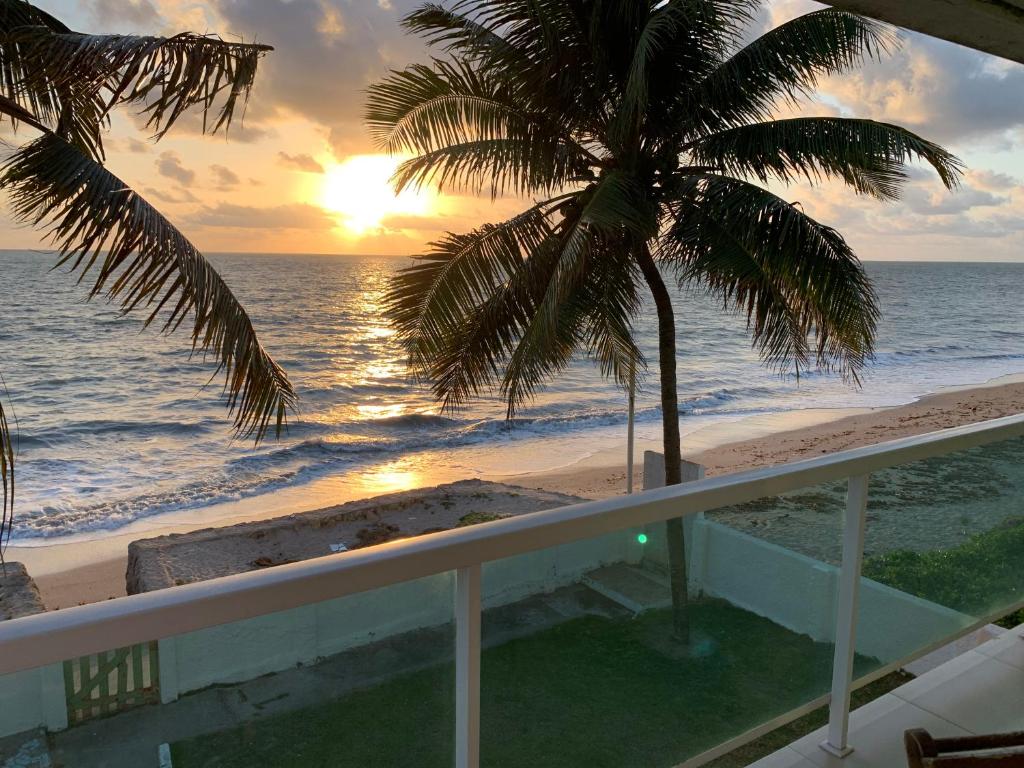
632,587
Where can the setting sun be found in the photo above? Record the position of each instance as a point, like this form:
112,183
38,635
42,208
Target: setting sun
359,189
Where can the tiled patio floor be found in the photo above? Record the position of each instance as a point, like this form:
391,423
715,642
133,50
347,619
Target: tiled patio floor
980,691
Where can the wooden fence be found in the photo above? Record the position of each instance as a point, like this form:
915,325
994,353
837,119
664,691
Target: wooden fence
113,681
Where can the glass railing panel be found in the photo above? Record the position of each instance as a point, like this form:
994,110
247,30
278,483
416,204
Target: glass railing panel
365,680
582,663
944,549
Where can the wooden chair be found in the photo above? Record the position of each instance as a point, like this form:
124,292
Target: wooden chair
1003,750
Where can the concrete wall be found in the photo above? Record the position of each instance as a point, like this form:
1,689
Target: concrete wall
799,593
33,699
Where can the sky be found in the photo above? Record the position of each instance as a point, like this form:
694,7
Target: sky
301,174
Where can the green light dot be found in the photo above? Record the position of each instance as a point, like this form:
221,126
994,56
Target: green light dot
641,538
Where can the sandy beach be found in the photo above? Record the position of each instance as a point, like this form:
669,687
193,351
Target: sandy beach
90,570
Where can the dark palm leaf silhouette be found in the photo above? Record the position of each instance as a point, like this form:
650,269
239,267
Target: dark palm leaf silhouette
645,129
63,85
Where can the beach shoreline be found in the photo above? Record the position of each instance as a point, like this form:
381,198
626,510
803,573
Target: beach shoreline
75,570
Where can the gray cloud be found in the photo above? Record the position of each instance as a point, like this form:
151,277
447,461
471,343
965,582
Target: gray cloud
169,165
137,147
325,55
295,216
124,15
301,162
919,201
944,91
170,196
225,177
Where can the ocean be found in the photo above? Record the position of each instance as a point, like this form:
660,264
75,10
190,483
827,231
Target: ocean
116,425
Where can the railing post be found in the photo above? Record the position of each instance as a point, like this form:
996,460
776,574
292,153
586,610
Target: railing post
629,428
846,618
467,667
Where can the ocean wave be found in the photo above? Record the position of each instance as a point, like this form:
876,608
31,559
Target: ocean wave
103,427
63,519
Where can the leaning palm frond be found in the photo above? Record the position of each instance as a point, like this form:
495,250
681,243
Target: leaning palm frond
432,302
100,226
168,75
866,154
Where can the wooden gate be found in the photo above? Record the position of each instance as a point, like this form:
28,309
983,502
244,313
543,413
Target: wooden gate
113,681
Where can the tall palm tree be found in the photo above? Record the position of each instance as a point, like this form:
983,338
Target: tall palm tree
63,85
642,129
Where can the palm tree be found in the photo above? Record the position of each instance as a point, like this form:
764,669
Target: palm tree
644,131
63,85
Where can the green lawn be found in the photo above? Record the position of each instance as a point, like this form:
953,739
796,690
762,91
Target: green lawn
591,692
977,577
787,734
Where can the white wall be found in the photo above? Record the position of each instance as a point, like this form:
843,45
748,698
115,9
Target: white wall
33,699
799,593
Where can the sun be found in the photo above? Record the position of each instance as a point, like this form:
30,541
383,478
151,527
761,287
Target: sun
360,191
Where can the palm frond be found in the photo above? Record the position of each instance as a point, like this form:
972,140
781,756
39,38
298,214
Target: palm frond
663,26
99,225
498,165
612,295
603,210
784,64
165,75
462,308
428,301
868,155
792,276
77,114
464,124
538,48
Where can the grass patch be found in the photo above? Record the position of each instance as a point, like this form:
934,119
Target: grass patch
787,734
591,692
976,577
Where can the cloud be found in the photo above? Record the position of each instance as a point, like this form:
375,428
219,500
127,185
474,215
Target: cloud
326,52
170,196
300,162
946,203
941,90
137,147
169,165
291,216
124,15
992,180
225,177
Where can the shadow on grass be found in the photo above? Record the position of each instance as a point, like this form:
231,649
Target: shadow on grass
593,691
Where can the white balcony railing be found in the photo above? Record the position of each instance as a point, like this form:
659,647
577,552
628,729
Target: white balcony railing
51,638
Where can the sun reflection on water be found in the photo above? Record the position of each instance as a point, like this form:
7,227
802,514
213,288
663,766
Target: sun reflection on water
400,475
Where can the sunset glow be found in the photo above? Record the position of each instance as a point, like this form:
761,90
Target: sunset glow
359,190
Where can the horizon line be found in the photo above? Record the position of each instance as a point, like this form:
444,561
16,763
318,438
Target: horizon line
329,254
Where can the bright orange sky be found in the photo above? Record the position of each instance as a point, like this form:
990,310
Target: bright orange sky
301,175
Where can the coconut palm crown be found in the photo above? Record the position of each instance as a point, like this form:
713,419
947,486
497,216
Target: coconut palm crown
60,86
644,131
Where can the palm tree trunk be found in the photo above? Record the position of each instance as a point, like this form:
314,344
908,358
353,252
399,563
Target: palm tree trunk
670,430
